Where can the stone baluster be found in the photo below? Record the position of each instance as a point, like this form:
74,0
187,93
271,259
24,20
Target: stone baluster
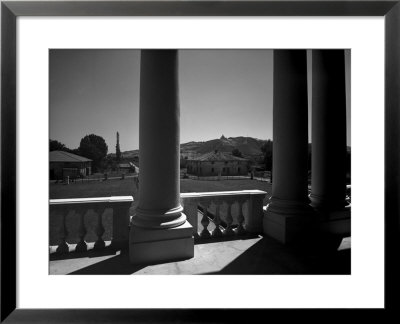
81,246
240,229
205,233
229,219
121,219
254,212
191,211
99,244
217,220
63,232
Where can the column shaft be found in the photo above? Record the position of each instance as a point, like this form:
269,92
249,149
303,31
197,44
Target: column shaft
159,188
290,126
328,129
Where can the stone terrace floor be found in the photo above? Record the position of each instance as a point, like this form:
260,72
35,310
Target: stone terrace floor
249,255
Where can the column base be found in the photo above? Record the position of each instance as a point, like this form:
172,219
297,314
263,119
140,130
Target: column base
334,216
335,222
289,225
152,246
322,203
159,219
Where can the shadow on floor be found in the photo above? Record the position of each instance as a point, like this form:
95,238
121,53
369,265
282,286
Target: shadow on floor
77,255
117,265
265,257
268,256
246,236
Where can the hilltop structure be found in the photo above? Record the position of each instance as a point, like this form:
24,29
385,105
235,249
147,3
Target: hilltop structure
217,163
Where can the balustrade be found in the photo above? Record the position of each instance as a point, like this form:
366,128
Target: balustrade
69,214
74,221
229,212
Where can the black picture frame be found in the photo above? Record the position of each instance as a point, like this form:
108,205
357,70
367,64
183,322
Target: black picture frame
10,10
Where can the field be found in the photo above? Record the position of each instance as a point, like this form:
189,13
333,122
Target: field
93,188
188,185
127,187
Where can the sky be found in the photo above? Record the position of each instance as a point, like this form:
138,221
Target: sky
222,92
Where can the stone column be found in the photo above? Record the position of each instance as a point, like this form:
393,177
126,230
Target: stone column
288,213
159,230
329,146
328,130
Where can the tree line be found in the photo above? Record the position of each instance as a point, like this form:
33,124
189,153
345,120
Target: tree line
267,152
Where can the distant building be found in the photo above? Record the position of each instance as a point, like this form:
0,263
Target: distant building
128,167
63,164
217,163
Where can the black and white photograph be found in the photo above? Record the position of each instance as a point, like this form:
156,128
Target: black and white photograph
154,153
199,161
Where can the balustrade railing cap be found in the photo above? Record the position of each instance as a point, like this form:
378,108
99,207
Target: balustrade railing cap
120,198
222,193
93,200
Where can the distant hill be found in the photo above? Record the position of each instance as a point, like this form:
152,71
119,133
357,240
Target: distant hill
248,146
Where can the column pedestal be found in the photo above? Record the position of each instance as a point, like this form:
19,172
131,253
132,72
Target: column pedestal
149,246
288,221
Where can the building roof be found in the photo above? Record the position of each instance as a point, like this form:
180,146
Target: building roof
62,156
217,156
124,165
